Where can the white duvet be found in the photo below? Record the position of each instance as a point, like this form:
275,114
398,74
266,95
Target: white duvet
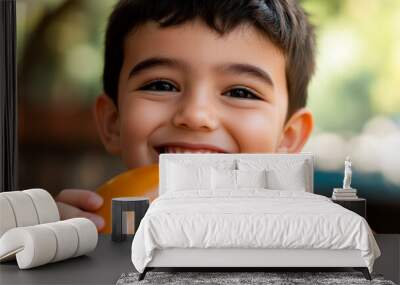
253,218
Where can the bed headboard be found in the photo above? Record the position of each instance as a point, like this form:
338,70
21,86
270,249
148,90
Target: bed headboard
213,159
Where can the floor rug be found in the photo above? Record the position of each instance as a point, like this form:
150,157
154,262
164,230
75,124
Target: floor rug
225,278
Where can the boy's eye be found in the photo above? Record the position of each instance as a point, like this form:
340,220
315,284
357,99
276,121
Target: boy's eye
241,93
159,85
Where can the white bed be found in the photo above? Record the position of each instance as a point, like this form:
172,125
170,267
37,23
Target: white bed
282,224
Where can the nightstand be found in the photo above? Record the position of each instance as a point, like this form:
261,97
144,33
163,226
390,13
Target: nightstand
127,213
358,205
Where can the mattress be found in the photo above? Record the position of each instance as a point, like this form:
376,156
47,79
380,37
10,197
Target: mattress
250,218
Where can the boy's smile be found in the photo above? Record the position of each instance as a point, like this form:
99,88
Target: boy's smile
187,89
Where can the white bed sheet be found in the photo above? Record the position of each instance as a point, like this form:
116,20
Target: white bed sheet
252,218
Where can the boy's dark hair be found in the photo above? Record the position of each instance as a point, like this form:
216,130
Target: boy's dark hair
283,21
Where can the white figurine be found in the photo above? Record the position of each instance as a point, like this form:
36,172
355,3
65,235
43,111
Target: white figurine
347,192
347,173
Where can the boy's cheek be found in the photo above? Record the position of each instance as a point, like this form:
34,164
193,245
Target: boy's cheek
255,132
139,120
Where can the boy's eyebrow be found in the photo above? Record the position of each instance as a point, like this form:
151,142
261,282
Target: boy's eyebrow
154,61
235,68
243,68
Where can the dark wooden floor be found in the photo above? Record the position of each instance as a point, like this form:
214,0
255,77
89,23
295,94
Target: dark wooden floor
110,259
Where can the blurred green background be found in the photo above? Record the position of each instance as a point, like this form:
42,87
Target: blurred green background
355,97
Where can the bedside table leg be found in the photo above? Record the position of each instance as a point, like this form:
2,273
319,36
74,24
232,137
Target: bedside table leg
364,271
142,275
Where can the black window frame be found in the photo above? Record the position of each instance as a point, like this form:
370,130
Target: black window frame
8,97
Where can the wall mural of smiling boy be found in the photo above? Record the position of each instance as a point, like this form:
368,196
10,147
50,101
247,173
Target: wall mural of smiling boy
200,76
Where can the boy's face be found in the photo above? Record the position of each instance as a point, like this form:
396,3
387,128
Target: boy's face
187,89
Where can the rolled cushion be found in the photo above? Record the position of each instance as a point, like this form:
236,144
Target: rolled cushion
7,218
45,205
23,208
40,244
87,234
33,246
26,208
66,238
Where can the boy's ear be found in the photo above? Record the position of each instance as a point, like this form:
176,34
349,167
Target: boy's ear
107,122
296,132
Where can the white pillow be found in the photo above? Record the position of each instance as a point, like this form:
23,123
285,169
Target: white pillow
282,174
223,179
294,179
181,178
251,178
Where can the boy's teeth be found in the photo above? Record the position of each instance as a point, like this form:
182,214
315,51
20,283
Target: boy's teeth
173,149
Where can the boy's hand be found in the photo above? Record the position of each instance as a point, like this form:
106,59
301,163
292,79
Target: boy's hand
73,203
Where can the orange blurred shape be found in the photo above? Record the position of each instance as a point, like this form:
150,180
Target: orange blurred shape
138,182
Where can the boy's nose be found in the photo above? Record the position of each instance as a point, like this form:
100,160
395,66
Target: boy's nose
196,114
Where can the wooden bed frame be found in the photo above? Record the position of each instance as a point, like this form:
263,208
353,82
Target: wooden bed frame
237,259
